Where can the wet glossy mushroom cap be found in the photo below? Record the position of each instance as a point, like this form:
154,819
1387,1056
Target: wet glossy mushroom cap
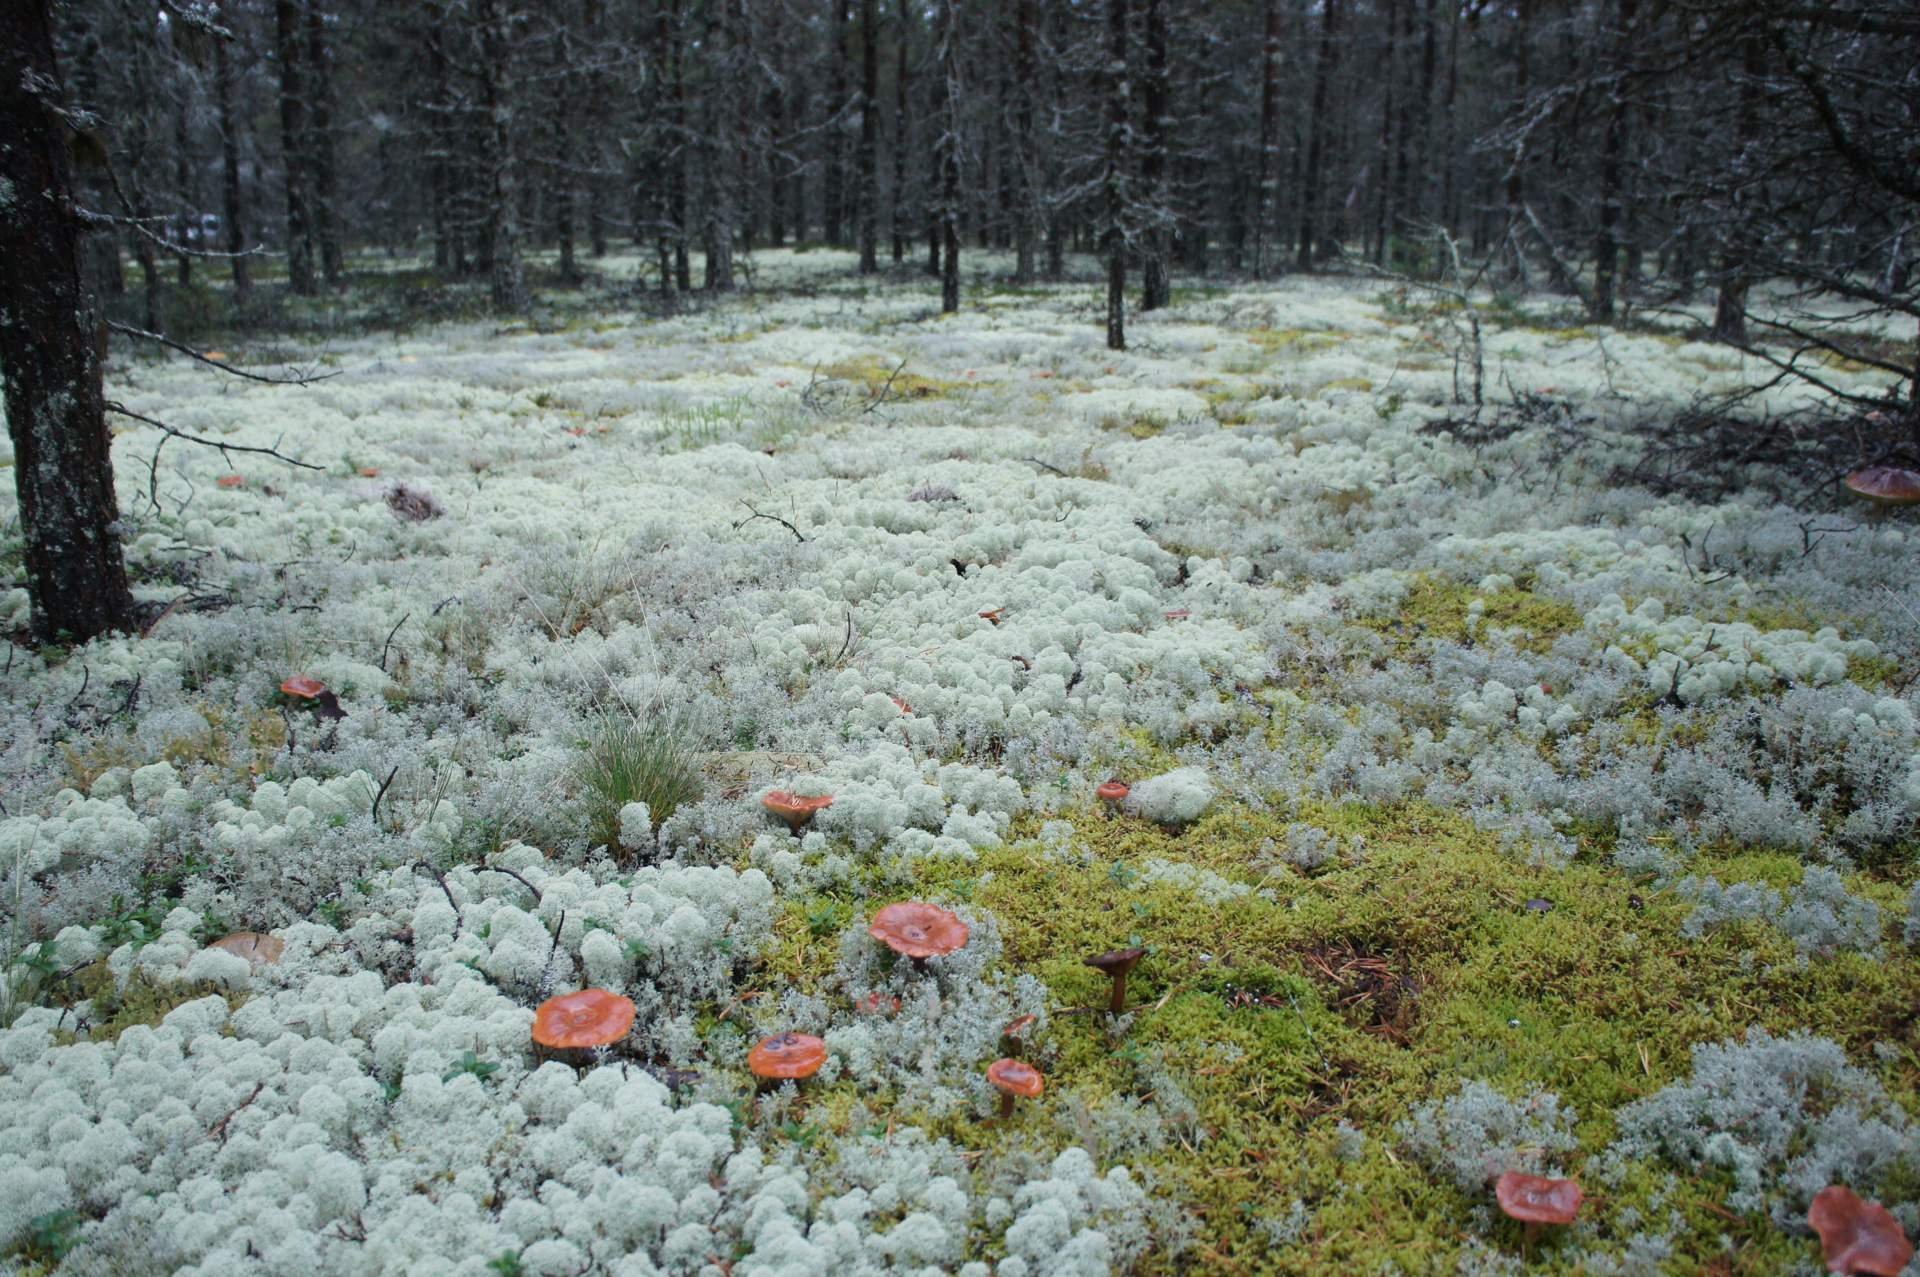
1019,1025
787,1056
1858,1236
1016,1077
1886,485
1114,791
1535,1199
793,809
305,686
579,1021
915,929
257,947
1117,962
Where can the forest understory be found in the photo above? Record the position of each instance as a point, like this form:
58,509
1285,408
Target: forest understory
1530,785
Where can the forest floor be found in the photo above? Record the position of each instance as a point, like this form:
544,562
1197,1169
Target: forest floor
1530,804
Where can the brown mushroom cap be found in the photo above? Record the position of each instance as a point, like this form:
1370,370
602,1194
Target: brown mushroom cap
305,686
787,1056
1858,1236
1117,961
915,929
1016,1077
1535,1199
793,809
577,1021
1886,485
1113,791
1019,1024
257,947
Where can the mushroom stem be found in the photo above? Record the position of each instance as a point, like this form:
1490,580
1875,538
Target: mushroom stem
1119,1002
1006,1105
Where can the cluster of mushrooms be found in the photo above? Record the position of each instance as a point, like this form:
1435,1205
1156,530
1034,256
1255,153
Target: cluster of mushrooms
1856,1237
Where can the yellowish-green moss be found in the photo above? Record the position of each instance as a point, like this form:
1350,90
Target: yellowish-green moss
1437,608
1353,995
874,375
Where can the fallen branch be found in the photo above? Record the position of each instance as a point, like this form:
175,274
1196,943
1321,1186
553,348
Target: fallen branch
298,378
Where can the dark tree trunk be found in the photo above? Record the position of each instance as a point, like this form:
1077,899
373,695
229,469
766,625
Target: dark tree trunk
949,149
506,276
1383,208
1156,289
1025,162
1606,246
293,146
869,137
231,209
1114,234
186,200
834,195
326,223
1267,208
1730,307
901,133
50,356
1317,126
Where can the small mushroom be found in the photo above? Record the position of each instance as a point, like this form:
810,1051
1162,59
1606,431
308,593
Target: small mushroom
308,688
1858,1236
1117,963
231,481
1015,1078
793,809
583,1021
917,930
993,614
257,947
1012,1036
1536,1199
787,1057
1113,792
1886,485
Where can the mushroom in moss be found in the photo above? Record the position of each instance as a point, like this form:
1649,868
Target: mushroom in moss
1015,1032
579,1023
1117,963
1113,793
1886,485
917,930
305,687
794,809
257,947
1535,1199
787,1057
1858,1236
1015,1078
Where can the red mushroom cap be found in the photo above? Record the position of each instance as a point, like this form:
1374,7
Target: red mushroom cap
1857,1236
1113,791
1016,1077
1535,1199
787,1056
577,1021
257,947
915,929
796,811
231,481
1886,485
305,686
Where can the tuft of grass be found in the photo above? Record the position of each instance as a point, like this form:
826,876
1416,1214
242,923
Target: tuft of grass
630,761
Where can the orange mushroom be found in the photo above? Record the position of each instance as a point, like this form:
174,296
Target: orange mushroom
1015,1078
793,809
1886,485
1117,963
1858,1236
231,481
1015,1030
1536,1199
582,1021
917,930
304,686
257,947
1114,792
787,1057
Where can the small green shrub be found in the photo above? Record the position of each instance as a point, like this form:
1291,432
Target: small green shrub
628,761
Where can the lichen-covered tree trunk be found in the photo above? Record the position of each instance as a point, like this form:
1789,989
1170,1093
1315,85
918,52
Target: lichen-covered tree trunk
949,149
1268,186
49,357
1317,127
1156,288
231,206
507,276
869,137
320,150
1113,235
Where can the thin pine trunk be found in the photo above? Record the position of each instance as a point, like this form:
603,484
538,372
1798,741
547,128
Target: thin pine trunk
1310,196
293,146
1113,234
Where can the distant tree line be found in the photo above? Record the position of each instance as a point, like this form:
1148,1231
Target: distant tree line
1628,153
